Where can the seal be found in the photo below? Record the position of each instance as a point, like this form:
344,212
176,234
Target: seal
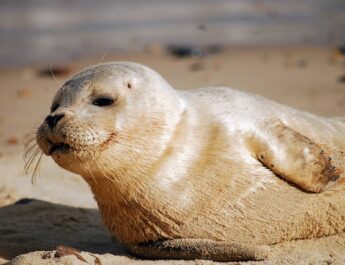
210,173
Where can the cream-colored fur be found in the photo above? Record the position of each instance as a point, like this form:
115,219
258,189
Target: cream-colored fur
209,163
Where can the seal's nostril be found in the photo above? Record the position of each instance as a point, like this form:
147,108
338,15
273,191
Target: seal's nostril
52,120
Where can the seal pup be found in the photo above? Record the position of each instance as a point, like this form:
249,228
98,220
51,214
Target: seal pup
210,173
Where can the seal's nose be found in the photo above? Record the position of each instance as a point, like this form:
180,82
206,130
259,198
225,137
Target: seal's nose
52,120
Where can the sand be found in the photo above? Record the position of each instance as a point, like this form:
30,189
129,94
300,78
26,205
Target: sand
60,210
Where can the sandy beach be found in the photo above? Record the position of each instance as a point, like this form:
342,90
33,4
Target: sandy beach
60,210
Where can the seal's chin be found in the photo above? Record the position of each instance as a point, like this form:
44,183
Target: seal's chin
59,148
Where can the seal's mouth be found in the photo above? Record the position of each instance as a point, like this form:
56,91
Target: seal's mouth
59,147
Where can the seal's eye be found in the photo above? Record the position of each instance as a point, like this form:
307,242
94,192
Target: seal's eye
103,101
54,107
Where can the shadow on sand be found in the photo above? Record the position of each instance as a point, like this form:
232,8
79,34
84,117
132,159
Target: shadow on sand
31,225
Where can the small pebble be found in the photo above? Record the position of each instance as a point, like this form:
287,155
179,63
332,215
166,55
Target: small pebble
341,79
46,256
202,27
341,50
12,140
184,51
196,66
24,93
55,71
65,251
302,63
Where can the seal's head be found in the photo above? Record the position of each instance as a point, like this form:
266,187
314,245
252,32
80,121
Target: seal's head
105,114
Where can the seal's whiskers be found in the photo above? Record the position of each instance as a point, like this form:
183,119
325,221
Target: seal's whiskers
36,169
32,153
105,175
89,169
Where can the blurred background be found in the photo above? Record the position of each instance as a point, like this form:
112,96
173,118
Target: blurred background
34,31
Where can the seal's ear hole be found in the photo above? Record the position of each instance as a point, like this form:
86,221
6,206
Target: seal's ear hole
129,85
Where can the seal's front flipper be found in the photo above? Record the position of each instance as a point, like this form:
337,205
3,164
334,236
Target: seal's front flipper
293,156
190,249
